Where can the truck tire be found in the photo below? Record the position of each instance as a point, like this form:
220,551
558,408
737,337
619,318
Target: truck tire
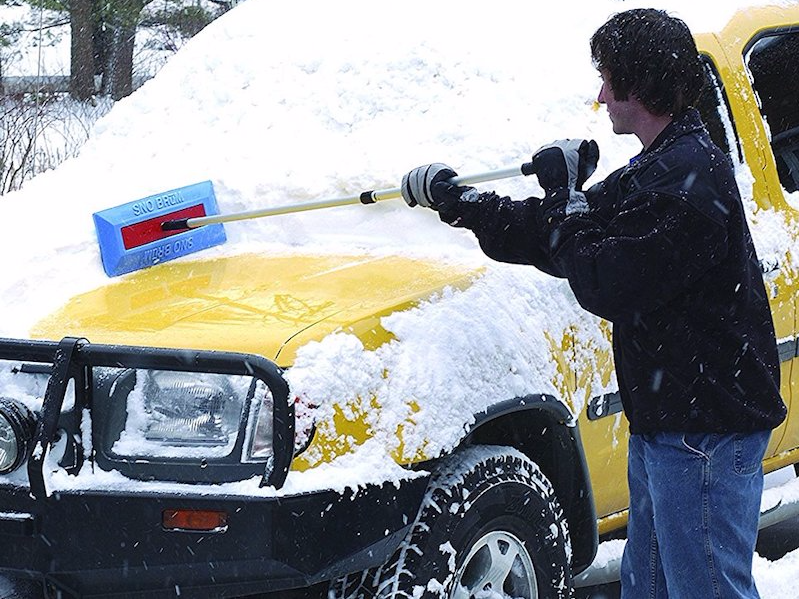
489,523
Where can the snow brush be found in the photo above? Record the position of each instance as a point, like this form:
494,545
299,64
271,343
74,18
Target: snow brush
366,197
182,221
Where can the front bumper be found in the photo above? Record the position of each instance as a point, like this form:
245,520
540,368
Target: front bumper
114,545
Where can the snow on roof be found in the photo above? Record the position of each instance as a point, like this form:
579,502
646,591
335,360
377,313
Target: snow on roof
282,103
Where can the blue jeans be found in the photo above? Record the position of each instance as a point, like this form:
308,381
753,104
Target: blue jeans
694,510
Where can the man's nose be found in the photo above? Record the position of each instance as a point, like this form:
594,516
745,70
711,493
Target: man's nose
601,97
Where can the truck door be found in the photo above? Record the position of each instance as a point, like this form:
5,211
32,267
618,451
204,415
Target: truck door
772,62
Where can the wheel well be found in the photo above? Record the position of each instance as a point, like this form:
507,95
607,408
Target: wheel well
539,427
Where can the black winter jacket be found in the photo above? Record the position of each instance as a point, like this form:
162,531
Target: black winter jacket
664,254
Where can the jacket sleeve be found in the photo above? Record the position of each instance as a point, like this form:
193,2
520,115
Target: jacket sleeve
655,246
507,230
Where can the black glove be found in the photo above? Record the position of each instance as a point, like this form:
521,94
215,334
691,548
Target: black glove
428,186
562,167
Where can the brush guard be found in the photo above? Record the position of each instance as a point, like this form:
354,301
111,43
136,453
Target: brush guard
74,359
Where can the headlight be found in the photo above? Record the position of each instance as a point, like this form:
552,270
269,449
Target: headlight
17,427
182,415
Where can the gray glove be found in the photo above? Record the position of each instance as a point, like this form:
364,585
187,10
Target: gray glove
419,186
564,165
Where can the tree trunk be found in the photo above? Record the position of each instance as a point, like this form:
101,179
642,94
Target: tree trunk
120,64
82,68
119,70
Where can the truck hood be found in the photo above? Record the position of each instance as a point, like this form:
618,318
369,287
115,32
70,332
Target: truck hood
253,303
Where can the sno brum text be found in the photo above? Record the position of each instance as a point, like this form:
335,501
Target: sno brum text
153,204
162,251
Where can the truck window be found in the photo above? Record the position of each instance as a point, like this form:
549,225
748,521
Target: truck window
773,62
712,105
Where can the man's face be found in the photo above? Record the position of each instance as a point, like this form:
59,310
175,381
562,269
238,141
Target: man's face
626,115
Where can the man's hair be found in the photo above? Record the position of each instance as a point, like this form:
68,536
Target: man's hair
652,56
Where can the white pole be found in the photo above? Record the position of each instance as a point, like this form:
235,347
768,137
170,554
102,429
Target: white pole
366,197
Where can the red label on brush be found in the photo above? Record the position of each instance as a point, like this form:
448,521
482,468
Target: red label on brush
150,230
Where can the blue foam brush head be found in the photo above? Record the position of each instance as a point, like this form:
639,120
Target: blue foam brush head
131,237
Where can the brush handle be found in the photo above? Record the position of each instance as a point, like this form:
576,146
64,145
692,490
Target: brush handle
366,197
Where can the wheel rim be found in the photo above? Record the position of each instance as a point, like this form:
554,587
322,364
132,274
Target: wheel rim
497,566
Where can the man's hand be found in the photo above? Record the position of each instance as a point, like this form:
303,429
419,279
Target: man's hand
428,186
562,167
566,163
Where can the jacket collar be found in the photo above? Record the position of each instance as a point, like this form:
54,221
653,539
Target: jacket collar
688,122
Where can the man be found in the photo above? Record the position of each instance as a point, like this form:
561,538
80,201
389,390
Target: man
662,250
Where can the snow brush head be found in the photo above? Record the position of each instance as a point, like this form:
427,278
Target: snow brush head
132,236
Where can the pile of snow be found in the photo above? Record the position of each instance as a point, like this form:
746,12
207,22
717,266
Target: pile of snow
289,102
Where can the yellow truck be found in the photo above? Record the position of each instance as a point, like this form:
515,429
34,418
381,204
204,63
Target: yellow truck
162,436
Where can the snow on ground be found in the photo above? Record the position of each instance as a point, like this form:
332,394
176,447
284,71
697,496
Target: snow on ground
289,102
777,579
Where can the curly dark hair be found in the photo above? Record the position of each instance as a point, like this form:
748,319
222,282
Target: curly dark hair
652,56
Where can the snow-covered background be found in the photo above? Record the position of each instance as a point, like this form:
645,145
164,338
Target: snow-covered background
280,103
46,51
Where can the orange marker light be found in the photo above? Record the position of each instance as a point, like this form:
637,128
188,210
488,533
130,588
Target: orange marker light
195,520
